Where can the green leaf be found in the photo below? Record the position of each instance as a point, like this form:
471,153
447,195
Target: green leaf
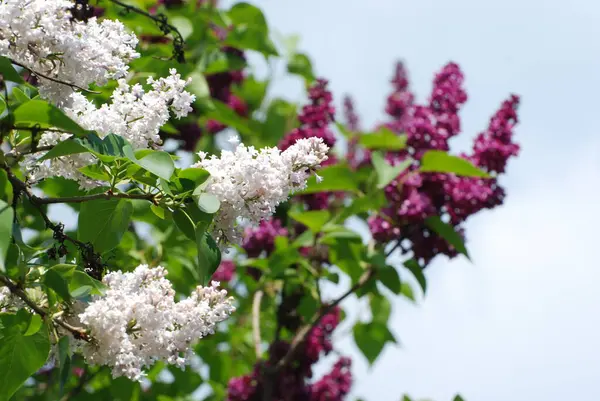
157,162
46,115
6,224
247,37
95,171
383,139
371,202
208,203
386,173
209,255
227,116
335,178
184,223
370,338
438,161
196,175
199,87
250,30
81,285
447,232
314,219
347,255
417,272
458,398
64,148
252,91
19,95
219,61
35,324
57,278
281,118
54,280
158,211
284,256
8,71
246,14
107,149
103,222
390,278
64,360
183,25
381,309
309,305
300,64
307,238
407,291
20,355
6,189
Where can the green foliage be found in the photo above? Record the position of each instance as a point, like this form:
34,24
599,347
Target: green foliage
22,350
158,163
437,161
447,232
314,220
103,222
335,178
385,171
149,210
209,255
43,114
301,65
8,71
384,139
6,224
371,338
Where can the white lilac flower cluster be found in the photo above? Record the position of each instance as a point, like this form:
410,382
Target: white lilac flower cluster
7,300
138,322
250,183
42,36
134,114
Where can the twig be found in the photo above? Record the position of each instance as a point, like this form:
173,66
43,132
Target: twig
21,187
38,128
87,198
49,78
396,246
256,322
163,25
16,290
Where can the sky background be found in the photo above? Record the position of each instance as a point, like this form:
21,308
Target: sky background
521,323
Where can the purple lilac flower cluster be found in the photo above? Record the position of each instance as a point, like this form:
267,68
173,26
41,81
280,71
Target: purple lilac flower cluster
314,122
292,383
314,118
412,196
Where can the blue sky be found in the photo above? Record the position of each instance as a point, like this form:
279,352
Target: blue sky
521,322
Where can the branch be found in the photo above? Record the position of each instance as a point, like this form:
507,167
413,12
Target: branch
16,290
256,322
396,246
86,198
49,78
163,25
21,187
304,331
